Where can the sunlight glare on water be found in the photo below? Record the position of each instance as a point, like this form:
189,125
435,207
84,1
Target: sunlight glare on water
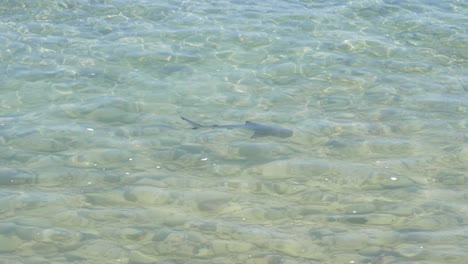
98,167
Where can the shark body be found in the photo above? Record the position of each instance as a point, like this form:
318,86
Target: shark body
258,129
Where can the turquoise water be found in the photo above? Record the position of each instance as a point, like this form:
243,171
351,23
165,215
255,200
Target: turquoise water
97,167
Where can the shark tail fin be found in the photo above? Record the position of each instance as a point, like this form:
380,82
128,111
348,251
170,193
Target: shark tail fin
194,124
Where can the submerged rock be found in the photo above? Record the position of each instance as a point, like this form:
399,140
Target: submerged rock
11,176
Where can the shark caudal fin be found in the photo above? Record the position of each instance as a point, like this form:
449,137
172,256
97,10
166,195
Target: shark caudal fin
194,124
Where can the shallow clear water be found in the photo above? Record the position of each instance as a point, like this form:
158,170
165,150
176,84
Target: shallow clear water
97,167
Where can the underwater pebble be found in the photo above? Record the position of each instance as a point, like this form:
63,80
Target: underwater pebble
382,147
289,168
168,217
356,219
27,233
281,70
71,219
206,200
276,213
227,246
106,198
101,158
350,241
410,251
34,222
445,253
9,243
361,239
254,38
40,249
360,208
139,257
381,219
299,247
371,251
11,176
100,249
37,142
383,179
463,155
317,196
147,195
243,57
134,234
381,237
178,244
256,150
334,103
215,205
59,235
347,258
421,223
268,259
